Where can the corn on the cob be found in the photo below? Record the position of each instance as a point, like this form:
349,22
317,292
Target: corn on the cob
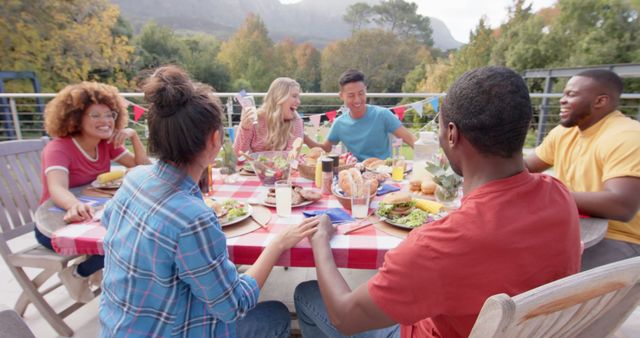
110,176
428,206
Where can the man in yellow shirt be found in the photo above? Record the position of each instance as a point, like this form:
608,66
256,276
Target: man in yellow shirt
595,151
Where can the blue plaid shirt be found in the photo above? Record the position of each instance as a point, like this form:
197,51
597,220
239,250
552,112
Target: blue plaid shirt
167,271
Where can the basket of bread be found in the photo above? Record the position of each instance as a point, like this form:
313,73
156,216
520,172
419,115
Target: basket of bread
307,163
348,180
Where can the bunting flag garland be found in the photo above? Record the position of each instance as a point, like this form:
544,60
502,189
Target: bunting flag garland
331,115
399,111
418,107
232,134
435,101
315,120
137,112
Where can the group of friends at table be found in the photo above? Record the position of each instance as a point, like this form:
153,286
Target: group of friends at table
166,265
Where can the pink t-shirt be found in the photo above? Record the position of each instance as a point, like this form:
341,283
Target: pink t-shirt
253,139
63,153
509,236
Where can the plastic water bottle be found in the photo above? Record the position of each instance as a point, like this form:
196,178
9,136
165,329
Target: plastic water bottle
425,149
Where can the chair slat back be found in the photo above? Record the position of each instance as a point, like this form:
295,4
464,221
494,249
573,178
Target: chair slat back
569,307
20,182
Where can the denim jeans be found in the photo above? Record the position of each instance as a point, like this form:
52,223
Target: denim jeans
85,269
267,319
314,319
608,251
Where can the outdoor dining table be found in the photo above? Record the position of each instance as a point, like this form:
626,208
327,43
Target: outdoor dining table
361,249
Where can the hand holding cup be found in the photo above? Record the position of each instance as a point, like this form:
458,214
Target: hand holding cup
248,118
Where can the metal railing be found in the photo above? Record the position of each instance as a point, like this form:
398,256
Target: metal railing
21,117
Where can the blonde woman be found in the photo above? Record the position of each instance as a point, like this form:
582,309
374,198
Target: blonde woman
278,123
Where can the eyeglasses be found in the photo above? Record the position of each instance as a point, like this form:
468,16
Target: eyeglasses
110,115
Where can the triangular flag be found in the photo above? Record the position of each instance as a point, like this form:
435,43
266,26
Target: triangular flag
331,115
435,103
418,107
137,112
315,120
399,111
232,134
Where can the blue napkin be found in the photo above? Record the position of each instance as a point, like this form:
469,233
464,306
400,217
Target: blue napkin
336,215
386,188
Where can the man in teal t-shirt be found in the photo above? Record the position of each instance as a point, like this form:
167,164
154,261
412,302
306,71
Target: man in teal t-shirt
365,129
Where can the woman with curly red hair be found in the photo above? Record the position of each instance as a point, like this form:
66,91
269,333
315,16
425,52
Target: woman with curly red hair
88,124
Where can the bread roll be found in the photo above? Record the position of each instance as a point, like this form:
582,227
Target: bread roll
345,181
314,153
415,184
428,187
372,163
358,182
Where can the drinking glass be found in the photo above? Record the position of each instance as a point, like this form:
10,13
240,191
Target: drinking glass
397,171
248,101
283,198
360,200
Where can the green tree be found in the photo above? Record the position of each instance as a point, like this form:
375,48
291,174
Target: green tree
308,67
358,16
284,52
590,32
249,55
476,53
199,60
385,67
508,33
527,52
402,18
64,41
397,16
157,45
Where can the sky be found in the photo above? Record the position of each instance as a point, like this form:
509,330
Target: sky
462,16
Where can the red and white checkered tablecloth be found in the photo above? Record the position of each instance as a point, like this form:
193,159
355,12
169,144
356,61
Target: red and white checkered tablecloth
362,249
79,238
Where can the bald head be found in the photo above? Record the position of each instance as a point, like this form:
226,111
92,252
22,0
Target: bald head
606,81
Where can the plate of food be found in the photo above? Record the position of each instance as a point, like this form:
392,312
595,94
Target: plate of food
248,167
300,197
399,209
229,211
377,165
109,180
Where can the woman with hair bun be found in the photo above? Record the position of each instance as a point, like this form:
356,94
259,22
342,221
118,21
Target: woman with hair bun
167,270
278,123
88,124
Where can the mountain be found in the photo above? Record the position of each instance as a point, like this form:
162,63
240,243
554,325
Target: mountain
315,21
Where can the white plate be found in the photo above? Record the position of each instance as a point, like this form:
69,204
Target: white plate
115,184
387,169
305,203
223,220
399,225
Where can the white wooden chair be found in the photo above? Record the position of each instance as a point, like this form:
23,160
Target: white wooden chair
593,303
12,325
20,189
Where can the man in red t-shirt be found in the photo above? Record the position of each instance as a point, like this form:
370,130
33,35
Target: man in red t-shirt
513,232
